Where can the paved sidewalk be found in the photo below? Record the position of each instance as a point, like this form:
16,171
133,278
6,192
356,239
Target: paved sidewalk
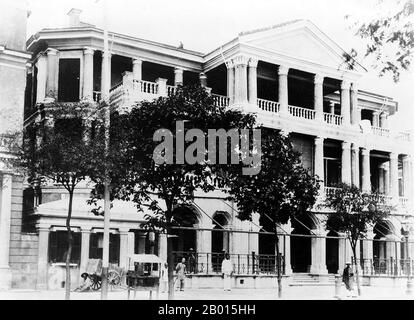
289,293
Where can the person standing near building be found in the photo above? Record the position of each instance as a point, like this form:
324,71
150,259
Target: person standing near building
348,279
227,270
181,271
164,277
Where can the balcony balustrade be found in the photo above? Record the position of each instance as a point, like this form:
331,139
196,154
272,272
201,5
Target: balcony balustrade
302,112
221,101
333,119
267,105
403,201
331,190
383,132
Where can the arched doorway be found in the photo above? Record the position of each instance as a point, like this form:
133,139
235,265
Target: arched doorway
220,240
300,247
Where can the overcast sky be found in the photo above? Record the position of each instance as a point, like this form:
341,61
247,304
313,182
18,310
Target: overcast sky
203,25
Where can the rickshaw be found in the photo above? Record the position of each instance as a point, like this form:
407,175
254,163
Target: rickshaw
144,273
94,271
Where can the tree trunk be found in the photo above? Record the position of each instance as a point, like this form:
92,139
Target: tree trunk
170,262
69,253
278,266
353,246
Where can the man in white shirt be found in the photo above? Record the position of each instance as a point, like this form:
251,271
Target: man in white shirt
227,270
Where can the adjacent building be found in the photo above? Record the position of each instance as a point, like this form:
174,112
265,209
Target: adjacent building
296,79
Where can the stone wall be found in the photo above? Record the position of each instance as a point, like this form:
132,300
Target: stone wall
23,247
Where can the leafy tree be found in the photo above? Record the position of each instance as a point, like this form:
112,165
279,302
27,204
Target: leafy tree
352,212
62,150
281,191
149,184
390,37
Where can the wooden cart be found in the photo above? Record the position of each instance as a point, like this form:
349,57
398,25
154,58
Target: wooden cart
144,273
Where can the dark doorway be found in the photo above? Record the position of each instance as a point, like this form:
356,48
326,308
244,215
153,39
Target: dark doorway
69,75
332,252
186,239
301,247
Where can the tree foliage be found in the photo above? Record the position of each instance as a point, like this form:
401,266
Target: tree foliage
390,37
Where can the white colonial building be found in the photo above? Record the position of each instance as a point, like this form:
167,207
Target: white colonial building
295,79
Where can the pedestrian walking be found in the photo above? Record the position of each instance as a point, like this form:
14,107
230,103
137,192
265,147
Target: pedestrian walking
164,277
227,271
348,279
181,270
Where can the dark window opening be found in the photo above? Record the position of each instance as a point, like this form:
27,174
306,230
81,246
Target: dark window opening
96,247
367,115
69,75
58,247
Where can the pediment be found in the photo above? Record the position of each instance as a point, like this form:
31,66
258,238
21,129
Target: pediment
301,40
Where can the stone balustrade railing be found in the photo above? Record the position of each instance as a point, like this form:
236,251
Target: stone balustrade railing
383,132
330,190
267,105
333,119
221,101
302,112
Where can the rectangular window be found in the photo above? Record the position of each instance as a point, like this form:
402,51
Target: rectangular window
58,247
69,75
96,247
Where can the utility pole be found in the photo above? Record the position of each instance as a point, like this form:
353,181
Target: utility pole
107,201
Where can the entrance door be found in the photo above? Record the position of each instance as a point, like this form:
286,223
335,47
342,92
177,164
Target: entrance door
69,75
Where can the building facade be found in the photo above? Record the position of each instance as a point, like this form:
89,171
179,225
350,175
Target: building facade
295,79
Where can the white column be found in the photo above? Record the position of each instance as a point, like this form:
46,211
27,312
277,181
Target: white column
204,247
283,89
318,96
355,165
162,246
137,69
319,162
375,119
162,87
386,168
406,160
253,81
345,103
342,258
230,81
346,162
354,104
384,120
368,251
87,87
123,247
240,64
178,76
51,83
318,244
366,170
85,242
5,217
42,262
394,176
41,78
105,74
203,79
286,246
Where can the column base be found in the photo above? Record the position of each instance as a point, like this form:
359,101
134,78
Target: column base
5,278
318,269
288,271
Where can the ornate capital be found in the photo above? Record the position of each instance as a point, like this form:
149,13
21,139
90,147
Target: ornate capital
366,151
137,61
88,50
51,52
345,85
354,87
393,156
253,63
346,145
319,140
229,64
240,61
283,70
318,79
355,147
178,70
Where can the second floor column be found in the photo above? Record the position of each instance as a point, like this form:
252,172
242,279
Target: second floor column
283,89
137,69
240,81
376,119
345,103
41,65
230,81
106,74
384,120
355,113
51,83
178,76
319,165
87,87
407,177
366,170
355,165
253,80
394,176
318,96
346,162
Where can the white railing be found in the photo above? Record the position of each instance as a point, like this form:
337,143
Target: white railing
403,201
385,199
267,105
331,118
148,87
302,112
171,90
383,132
403,136
331,190
116,86
96,95
221,101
